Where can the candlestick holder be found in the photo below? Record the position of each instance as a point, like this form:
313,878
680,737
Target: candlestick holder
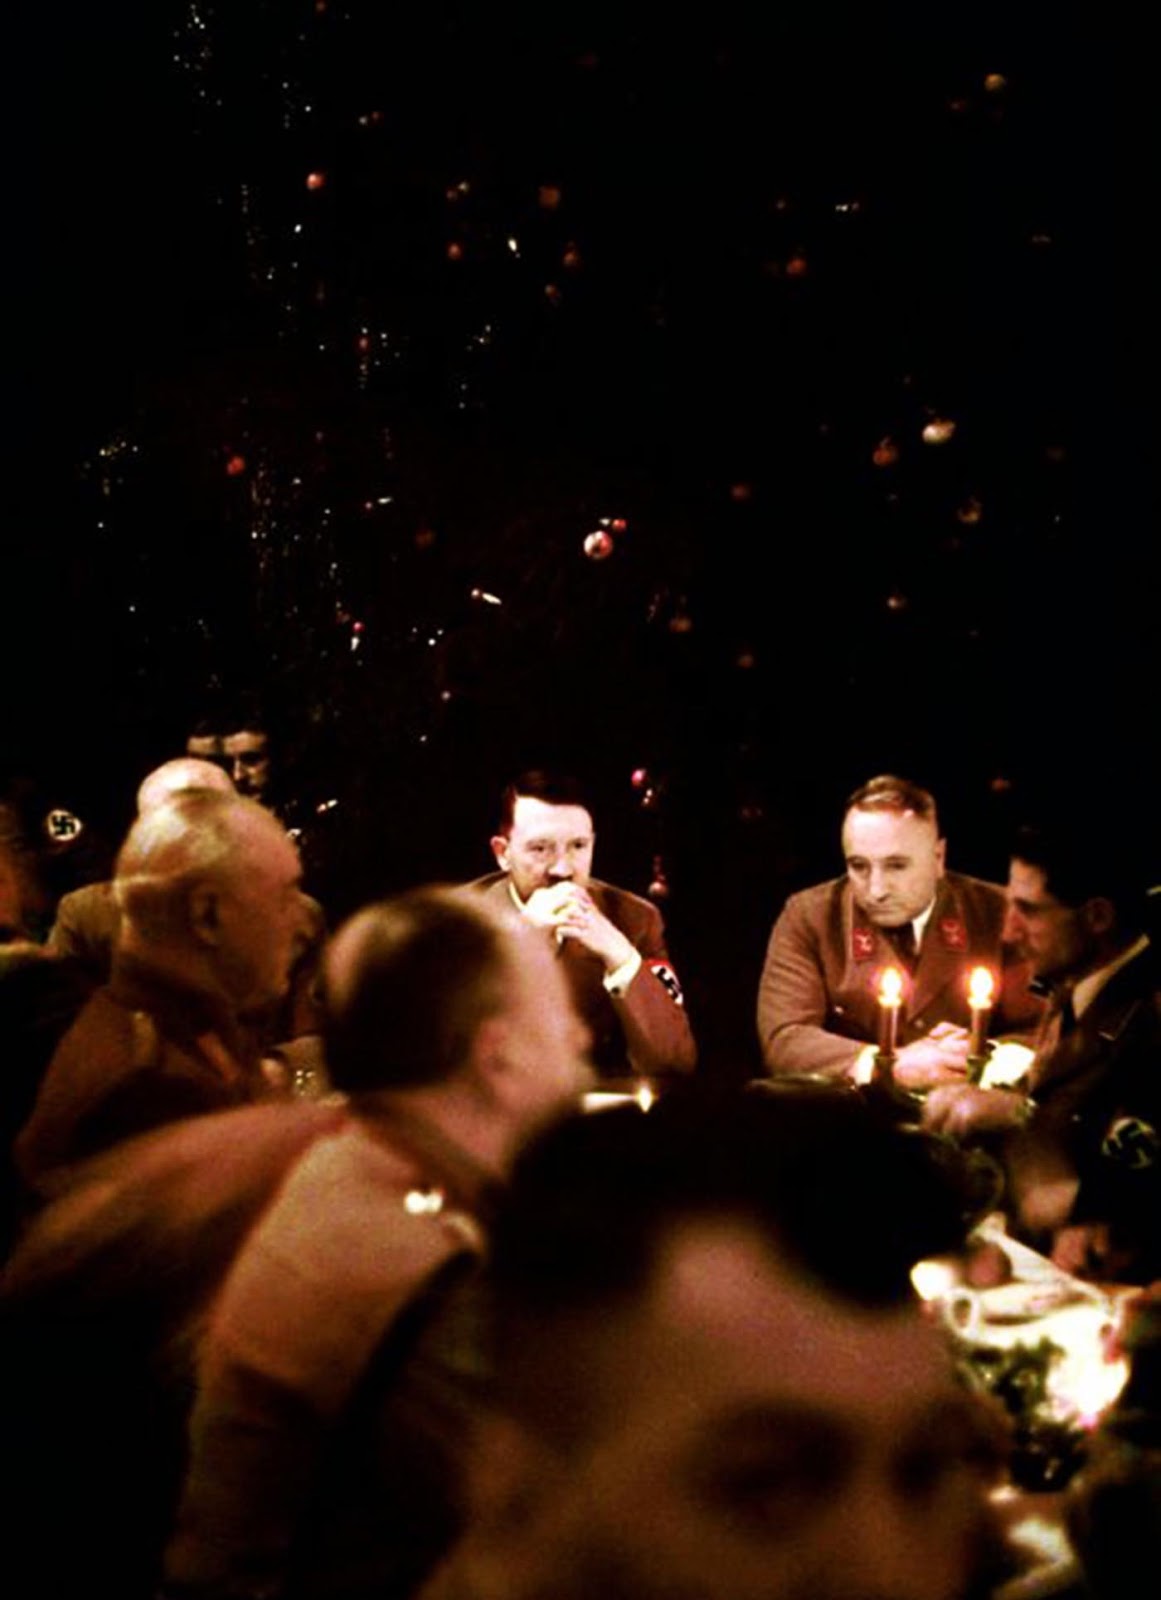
885,1092
883,1068
977,1063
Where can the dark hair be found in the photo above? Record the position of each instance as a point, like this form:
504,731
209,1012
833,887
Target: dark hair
554,788
853,1200
1087,856
425,969
898,795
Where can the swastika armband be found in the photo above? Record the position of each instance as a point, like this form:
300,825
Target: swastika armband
666,976
1133,1143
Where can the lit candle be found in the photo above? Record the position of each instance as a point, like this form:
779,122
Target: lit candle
890,998
645,1096
981,988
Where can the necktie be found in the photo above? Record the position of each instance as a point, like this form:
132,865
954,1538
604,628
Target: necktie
903,938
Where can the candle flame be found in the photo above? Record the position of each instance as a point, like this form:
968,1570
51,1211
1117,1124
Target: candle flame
645,1097
932,1279
891,987
981,987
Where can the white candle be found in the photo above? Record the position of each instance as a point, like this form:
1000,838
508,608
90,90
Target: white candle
981,988
890,998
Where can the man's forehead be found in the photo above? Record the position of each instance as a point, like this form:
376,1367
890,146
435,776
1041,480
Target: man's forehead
533,816
1027,882
885,830
742,1312
248,739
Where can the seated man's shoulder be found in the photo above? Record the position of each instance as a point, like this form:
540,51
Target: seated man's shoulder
100,1018
622,906
355,1209
101,893
494,889
490,883
815,902
92,902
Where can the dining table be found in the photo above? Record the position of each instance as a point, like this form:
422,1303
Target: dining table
1047,1345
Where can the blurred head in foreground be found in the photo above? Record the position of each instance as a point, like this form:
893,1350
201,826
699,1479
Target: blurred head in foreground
712,1379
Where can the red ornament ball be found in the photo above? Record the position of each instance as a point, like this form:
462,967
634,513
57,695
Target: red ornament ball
598,545
885,453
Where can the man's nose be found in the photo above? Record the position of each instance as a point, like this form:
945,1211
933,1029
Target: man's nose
560,868
1013,927
878,884
887,1549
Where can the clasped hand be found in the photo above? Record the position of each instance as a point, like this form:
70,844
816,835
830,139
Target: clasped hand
939,1057
569,911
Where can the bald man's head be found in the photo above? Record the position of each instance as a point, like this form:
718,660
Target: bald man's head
434,984
408,983
172,777
214,877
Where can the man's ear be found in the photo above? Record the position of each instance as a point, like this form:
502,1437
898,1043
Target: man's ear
500,842
941,855
1100,915
488,1056
205,914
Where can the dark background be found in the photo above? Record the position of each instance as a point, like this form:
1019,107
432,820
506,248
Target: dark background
272,434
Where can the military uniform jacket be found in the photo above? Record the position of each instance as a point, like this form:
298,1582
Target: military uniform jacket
645,1030
818,995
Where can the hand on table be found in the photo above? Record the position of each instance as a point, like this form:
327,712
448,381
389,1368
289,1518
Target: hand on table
960,1109
568,909
939,1057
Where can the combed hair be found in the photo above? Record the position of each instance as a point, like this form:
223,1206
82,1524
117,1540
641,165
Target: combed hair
425,970
554,788
897,795
185,840
1085,856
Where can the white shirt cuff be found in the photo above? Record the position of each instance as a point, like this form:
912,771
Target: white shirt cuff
617,981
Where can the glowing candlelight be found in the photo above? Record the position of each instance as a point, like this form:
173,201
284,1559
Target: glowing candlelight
981,989
932,1279
1084,1385
890,999
645,1096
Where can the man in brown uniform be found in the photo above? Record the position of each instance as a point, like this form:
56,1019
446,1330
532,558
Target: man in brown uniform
818,1007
